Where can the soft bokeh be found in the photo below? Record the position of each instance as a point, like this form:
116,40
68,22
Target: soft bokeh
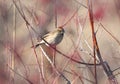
20,63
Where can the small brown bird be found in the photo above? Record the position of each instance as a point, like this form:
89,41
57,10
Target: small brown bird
52,38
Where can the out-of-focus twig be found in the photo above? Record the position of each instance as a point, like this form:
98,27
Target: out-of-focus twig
76,61
80,76
28,26
93,36
103,25
20,75
52,64
110,34
105,65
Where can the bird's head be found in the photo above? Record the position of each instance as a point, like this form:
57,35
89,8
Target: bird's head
61,30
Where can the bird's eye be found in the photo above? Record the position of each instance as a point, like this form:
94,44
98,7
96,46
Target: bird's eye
62,32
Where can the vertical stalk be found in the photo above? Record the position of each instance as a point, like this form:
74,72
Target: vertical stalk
93,36
55,8
13,46
96,49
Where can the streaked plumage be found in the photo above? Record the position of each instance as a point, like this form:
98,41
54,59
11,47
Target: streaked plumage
53,38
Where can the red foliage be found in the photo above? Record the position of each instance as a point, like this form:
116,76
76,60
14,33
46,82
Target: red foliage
62,9
80,20
45,2
99,13
40,20
76,56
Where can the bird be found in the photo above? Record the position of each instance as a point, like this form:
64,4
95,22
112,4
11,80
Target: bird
52,38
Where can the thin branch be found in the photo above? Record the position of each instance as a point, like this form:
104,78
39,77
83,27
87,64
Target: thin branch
55,8
35,54
110,34
60,74
102,25
20,75
80,76
115,69
93,35
68,56
105,65
71,16
24,18
28,26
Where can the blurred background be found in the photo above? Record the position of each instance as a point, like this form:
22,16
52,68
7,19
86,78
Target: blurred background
23,22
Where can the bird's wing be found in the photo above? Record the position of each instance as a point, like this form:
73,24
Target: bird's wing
46,35
49,34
